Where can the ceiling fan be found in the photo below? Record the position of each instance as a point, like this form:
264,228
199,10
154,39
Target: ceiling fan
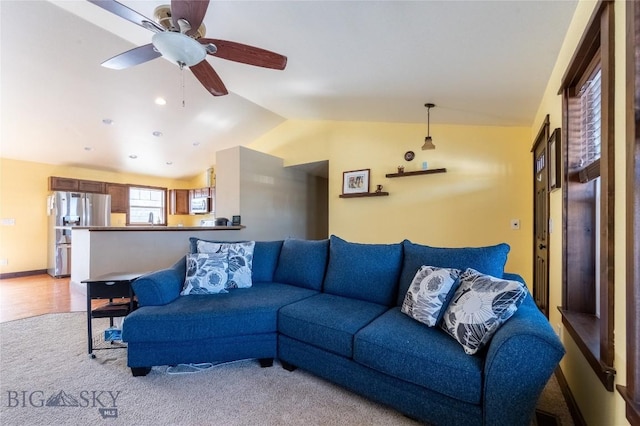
179,38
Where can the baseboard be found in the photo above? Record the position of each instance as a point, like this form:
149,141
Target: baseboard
576,415
22,274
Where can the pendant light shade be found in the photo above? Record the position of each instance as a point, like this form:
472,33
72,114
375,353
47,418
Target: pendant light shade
428,142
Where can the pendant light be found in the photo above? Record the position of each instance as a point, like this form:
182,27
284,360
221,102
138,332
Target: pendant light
428,142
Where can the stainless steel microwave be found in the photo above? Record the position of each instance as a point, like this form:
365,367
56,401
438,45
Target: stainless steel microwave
199,205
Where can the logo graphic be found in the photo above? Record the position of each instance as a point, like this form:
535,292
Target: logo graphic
61,399
105,401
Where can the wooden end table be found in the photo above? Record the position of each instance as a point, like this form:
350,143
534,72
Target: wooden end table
110,286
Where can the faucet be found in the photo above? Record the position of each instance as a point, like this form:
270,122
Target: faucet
151,218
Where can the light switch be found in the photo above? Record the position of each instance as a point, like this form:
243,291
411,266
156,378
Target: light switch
8,222
515,224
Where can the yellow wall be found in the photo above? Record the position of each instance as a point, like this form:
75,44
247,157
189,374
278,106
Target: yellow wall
488,182
23,194
598,406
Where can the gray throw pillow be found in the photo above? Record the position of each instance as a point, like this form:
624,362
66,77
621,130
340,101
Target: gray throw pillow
206,273
426,298
480,305
240,260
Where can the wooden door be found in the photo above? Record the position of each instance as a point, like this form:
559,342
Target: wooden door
541,219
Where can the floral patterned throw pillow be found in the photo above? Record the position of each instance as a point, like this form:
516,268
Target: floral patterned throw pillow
480,305
240,260
206,273
427,295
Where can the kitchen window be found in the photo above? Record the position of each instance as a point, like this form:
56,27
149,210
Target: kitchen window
147,205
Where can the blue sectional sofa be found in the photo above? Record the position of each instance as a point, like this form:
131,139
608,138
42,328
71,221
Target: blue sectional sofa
333,308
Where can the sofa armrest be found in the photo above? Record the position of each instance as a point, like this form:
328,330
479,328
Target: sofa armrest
520,359
160,287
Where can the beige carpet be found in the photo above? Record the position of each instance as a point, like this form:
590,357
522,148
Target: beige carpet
43,360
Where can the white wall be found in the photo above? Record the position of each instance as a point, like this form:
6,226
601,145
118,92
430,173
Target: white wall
273,201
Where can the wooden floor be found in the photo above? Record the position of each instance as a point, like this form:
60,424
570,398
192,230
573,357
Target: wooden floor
39,294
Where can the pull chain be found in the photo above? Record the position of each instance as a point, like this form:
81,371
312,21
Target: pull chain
181,64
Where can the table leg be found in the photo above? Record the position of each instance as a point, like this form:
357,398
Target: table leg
89,326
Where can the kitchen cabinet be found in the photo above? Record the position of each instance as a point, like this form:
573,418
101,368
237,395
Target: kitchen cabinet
201,193
62,184
68,184
91,186
179,200
119,197
212,202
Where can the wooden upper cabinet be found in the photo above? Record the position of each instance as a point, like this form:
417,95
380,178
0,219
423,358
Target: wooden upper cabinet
91,186
179,201
70,184
201,193
62,184
119,197
212,203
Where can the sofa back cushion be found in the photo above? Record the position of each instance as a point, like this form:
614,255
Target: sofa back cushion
265,260
366,272
488,260
302,263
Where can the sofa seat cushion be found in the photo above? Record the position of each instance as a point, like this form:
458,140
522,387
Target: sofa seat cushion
327,321
241,311
399,346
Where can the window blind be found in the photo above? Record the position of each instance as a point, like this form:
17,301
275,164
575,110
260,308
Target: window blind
590,127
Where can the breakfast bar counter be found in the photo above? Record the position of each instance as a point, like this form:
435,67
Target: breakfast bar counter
157,228
109,249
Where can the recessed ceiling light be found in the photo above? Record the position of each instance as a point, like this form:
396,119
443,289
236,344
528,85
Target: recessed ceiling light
196,143
88,148
133,156
160,101
157,134
107,121
169,163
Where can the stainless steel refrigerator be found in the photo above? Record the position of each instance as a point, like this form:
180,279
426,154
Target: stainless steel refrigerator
68,209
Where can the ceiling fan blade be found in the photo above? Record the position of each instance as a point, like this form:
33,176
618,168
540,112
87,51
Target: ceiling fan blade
209,78
192,11
136,56
245,54
129,14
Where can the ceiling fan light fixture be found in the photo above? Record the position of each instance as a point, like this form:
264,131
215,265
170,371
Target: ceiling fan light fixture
179,48
428,141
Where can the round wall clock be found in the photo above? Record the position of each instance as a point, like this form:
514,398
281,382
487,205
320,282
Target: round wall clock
409,155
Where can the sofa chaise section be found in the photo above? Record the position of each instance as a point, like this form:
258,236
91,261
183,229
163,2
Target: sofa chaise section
200,328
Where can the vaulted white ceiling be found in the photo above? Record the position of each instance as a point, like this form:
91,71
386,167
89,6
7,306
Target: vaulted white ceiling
480,62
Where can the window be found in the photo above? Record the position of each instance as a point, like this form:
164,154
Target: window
588,195
147,206
631,391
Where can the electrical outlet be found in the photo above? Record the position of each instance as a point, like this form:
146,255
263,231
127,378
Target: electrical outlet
515,224
8,222
4,262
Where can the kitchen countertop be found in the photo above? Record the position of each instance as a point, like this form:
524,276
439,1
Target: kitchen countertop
158,228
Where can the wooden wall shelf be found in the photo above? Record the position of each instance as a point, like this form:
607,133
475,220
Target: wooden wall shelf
415,173
364,194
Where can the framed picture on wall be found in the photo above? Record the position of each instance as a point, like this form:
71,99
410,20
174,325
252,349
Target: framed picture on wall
555,157
355,181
